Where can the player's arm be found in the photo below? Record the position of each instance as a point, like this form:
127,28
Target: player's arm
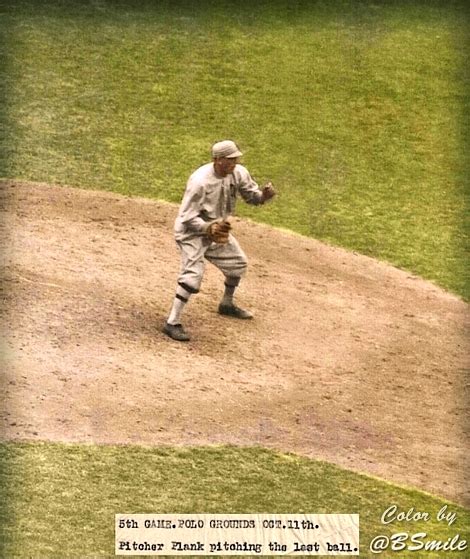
191,209
249,189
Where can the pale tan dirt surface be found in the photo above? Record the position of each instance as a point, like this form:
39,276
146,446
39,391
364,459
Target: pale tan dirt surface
348,360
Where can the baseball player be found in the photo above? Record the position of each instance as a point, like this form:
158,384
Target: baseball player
202,231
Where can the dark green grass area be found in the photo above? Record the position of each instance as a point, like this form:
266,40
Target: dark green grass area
60,500
358,111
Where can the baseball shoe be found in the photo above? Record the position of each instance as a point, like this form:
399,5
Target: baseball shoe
232,310
176,332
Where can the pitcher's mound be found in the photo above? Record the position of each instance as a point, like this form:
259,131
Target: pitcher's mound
348,359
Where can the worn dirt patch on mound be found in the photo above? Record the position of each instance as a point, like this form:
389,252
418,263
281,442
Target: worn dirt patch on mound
348,360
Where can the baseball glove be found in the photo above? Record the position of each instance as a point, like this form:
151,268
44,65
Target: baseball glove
218,232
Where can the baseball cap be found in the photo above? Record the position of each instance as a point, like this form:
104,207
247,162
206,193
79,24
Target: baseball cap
226,148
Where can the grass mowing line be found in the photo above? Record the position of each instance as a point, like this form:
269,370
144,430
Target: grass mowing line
355,110
60,499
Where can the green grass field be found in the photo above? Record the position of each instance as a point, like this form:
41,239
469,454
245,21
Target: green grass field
65,496
358,111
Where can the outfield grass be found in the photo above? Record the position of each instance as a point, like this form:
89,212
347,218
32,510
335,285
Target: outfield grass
65,496
358,111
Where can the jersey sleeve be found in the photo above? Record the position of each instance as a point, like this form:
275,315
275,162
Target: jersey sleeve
247,187
191,207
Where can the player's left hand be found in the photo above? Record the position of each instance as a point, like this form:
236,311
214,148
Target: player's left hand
268,191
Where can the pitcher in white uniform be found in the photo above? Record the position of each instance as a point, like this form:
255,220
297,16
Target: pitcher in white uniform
210,198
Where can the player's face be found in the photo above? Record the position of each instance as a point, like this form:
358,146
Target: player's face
225,165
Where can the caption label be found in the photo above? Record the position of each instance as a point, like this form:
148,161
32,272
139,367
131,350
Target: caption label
237,534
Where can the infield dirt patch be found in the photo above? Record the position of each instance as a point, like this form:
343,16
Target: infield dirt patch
348,359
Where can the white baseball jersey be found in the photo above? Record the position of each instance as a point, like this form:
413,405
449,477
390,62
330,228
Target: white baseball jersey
209,198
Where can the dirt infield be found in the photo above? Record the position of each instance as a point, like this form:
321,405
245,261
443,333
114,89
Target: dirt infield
348,359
